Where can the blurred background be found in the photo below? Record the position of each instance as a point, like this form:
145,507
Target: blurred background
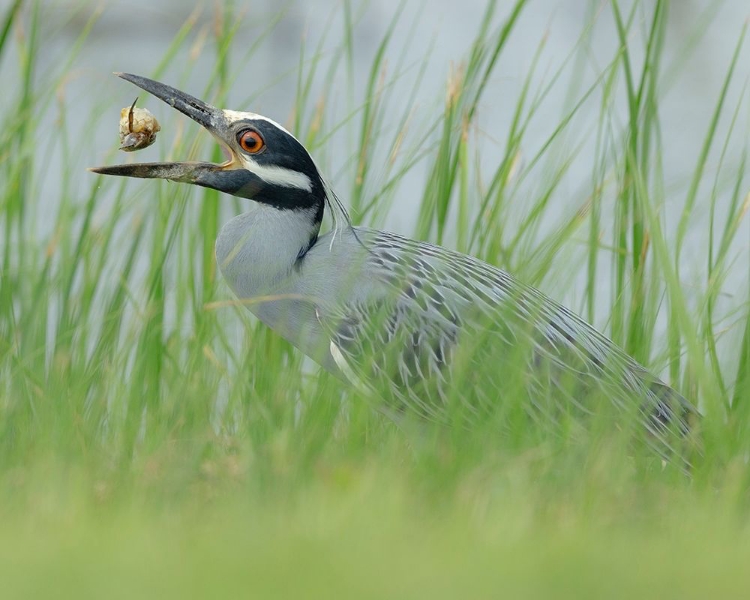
333,61
275,39
557,54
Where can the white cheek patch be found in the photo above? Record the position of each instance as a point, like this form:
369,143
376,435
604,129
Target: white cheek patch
272,174
278,175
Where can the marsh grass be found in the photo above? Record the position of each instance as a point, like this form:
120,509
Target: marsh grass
148,422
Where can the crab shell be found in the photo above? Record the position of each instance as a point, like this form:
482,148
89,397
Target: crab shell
143,132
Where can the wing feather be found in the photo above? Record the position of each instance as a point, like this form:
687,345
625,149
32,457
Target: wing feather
432,304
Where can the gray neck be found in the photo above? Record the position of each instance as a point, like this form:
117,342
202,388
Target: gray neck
258,249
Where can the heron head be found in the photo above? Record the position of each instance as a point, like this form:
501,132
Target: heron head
266,163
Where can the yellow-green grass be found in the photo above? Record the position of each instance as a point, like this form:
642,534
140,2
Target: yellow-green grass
143,458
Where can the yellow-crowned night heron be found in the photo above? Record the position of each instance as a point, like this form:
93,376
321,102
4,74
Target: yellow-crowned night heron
427,328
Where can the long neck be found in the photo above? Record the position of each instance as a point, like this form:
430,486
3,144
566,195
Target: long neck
258,249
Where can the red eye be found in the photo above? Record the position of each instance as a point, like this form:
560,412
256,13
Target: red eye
251,141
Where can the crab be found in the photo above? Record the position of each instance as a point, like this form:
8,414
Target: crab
138,128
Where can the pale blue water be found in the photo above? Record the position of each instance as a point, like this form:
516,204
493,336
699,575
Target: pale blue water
133,35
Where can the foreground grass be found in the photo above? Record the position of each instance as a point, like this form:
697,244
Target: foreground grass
154,439
370,538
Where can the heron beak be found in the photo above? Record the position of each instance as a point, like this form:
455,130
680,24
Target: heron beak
228,177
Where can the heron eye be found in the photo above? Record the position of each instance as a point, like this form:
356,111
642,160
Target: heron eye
251,141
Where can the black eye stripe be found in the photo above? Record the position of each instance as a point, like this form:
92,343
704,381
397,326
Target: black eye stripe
278,148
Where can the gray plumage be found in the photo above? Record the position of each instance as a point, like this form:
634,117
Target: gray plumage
390,313
432,331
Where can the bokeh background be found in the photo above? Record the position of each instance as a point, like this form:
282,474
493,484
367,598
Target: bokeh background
276,41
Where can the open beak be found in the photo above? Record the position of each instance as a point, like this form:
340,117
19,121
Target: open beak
220,177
